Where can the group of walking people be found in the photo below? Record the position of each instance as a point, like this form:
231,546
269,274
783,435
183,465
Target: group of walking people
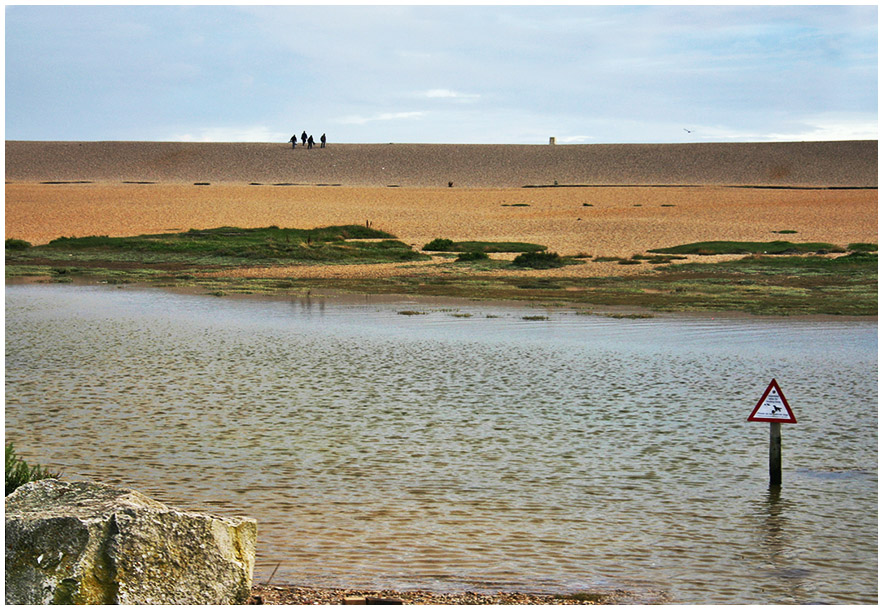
306,141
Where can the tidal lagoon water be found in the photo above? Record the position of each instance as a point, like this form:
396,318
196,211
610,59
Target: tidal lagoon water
466,447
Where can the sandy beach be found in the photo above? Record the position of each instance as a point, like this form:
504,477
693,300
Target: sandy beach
597,200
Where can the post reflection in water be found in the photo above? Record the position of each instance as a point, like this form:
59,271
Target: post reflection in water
308,304
780,571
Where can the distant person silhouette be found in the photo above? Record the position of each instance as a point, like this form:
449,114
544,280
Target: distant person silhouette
310,142
293,141
322,140
303,138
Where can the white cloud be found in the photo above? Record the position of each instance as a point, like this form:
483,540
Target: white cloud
573,139
448,94
815,128
355,119
826,129
231,134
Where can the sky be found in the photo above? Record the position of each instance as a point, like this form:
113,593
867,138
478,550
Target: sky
494,74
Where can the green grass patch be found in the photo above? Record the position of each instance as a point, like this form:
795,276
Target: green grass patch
658,259
472,256
447,245
266,242
17,244
231,246
440,245
18,472
862,247
778,285
858,265
709,248
637,259
538,260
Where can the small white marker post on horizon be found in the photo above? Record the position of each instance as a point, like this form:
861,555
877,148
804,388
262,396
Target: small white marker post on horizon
773,408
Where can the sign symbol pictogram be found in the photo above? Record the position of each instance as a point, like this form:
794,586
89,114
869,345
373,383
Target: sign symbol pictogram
773,407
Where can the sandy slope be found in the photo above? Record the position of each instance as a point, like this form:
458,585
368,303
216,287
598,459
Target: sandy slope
486,202
431,165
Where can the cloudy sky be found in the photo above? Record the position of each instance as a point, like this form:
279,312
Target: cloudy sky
445,74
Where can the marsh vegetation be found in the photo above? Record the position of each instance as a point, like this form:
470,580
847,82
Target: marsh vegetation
350,243
708,248
19,472
779,277
448,245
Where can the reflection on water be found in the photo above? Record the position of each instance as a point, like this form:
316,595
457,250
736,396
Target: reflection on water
467,447
777,548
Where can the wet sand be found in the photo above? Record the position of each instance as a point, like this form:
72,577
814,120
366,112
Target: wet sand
623,199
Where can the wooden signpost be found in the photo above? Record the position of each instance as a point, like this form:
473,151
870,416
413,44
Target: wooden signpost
773,408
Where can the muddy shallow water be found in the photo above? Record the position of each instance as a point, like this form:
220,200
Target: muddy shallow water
468,447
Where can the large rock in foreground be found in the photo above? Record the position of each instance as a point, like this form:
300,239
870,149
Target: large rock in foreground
87,543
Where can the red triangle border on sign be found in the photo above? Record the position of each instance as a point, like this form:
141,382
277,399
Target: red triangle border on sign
791,419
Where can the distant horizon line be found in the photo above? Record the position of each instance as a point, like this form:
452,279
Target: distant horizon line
545,144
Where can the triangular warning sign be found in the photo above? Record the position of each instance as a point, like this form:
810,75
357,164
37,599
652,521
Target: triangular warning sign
773,407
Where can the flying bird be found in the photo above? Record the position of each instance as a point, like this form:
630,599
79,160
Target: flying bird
688,130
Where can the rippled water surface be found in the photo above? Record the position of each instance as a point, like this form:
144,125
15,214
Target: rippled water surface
467,447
